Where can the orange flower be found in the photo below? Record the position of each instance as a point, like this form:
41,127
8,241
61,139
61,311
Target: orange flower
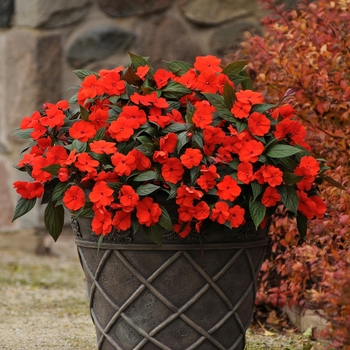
54,117
123,164
185,196
168,142
258,124
241,110
63,174
311,164
185,230
290,129
203,115
98,117
141,162
128,198
220,212
249,96
189,79
84,162
122,220
29,190
273,176
147,212
285,111
74,198
120,129
228,189
160,156
320,206
172,170
307,180
237,216
38,173
192,157
102,221
186,213
136,116
56,155
82,130
213,135
91,87
208,178
156,117
142,71
207,62
201,211
112,84
161,77
103,147
250,151
270,197
208,81
245,172
101,194
306,205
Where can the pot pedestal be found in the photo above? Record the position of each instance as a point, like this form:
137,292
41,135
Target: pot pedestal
180,295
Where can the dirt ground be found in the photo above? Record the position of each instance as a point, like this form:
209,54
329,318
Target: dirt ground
43,303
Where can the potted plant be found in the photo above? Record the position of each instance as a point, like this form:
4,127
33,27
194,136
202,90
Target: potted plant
171,178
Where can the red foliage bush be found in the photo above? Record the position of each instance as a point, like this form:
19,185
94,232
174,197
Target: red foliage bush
305,55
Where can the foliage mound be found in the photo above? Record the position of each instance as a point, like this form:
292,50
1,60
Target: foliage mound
304,56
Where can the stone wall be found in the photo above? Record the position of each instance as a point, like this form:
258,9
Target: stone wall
42,42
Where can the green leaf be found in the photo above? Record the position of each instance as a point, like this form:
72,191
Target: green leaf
100,134
115,186
302,224
229,95
73,99
84,114
173,190
262,108
147,149
237,79
114,99
100,240
54,219
138,61
174,90
281,151
194,173
289,197
146,189
246,84
256,189
178,67
197,138
132,79
217,101
23,206
145,176
189,112
175,127
52,169
165,220
235,67
234,164
182,139
80,147
241,126
333,182
290,178
155,233
83,73
23,134
58,191
257,211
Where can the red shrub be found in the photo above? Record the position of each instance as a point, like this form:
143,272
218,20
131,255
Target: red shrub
305,55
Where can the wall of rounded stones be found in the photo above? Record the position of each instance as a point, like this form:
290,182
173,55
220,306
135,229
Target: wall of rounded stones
42,42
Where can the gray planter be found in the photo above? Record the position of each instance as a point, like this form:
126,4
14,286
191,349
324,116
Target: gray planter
181,295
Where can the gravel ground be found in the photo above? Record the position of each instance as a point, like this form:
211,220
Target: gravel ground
43,303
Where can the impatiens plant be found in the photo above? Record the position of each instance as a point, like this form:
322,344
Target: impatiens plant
195,136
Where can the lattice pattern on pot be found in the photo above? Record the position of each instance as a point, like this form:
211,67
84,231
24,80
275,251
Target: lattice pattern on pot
175,313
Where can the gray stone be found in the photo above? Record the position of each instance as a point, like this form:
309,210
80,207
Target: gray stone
167,39
6,12
122,8
98,44
50,14
211,12
32,75
226,39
